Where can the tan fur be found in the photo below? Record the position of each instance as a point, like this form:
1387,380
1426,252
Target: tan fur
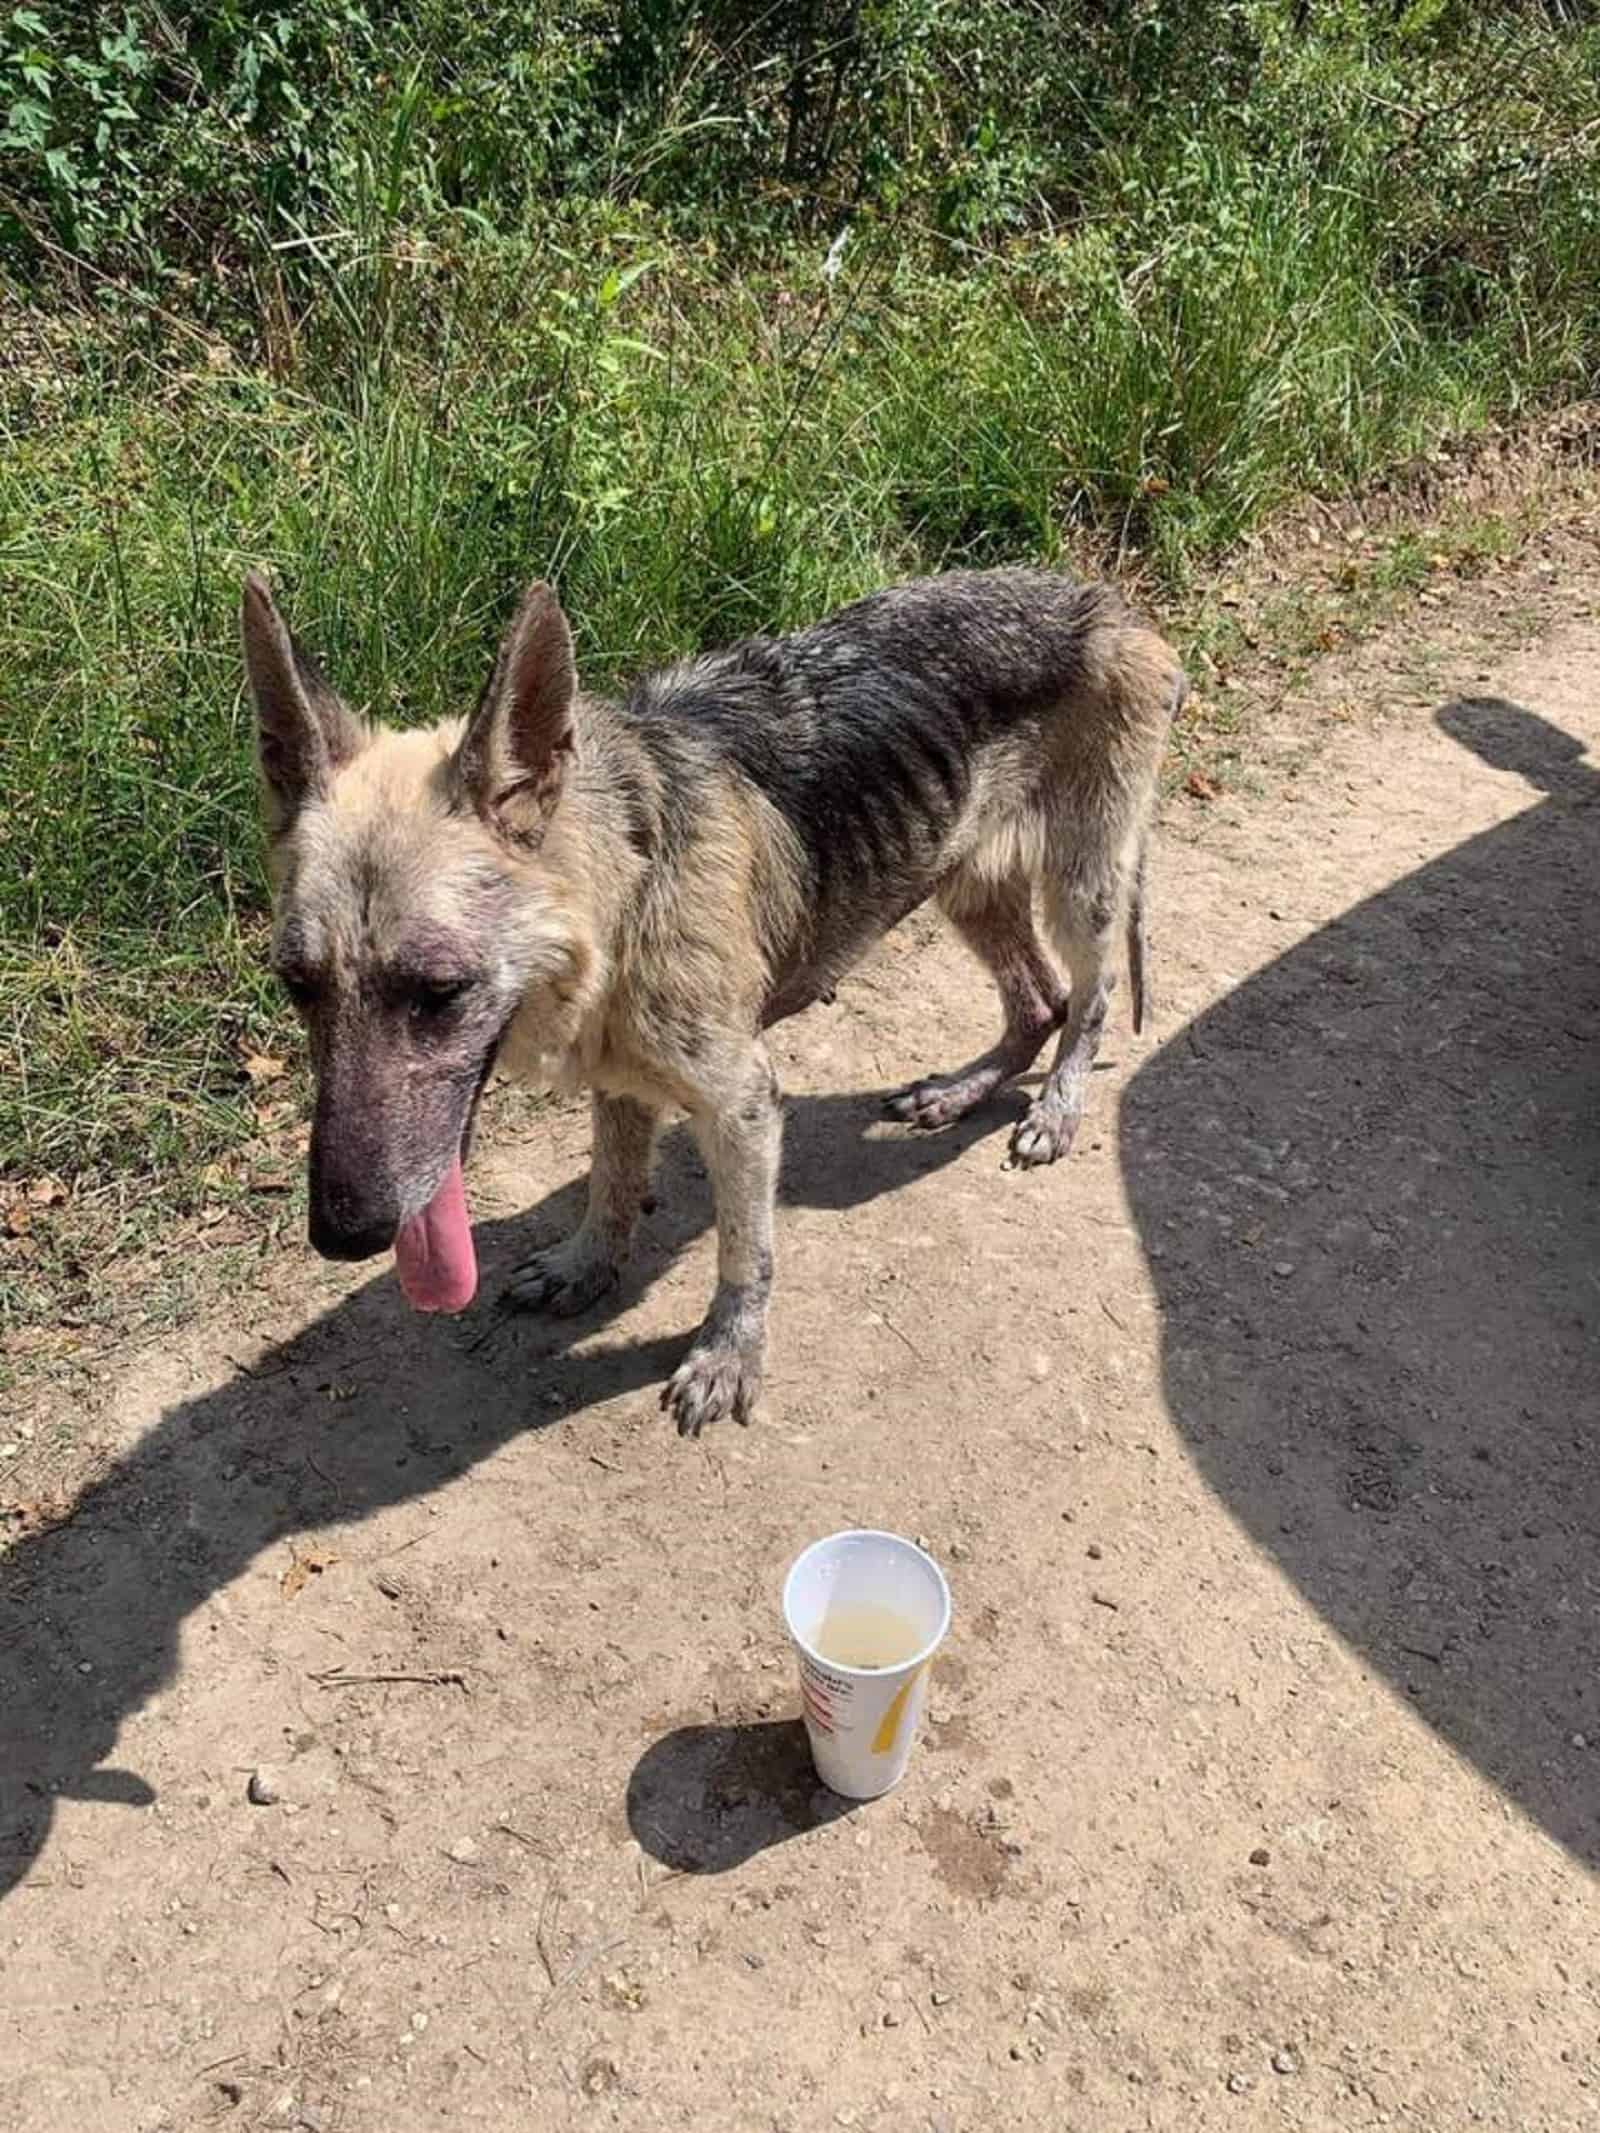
651,983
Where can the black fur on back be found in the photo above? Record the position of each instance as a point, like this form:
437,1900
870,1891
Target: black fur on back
862,729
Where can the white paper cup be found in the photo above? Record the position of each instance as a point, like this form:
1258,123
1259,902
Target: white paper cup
878,1601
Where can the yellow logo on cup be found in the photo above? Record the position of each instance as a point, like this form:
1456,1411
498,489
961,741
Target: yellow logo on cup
889,1725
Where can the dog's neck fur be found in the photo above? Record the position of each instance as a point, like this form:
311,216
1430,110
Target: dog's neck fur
589,869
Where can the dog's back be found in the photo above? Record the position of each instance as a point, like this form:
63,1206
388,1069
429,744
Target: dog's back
948,734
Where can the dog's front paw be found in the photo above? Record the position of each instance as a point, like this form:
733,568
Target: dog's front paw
564,1280
717,1378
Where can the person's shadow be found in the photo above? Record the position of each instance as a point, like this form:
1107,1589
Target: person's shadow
91,1608
1368,1182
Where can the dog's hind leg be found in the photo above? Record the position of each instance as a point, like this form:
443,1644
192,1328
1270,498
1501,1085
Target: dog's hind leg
995,919
567,1277
1082,912
740,1137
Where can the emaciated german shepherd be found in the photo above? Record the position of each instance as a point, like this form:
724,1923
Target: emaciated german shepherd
626,895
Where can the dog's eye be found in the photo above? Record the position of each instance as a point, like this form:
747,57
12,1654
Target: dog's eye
428,1003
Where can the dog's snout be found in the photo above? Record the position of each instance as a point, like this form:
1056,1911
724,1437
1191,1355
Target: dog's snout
336,1236
355,1199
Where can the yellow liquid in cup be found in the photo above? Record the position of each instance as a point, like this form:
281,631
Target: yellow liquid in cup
868,1636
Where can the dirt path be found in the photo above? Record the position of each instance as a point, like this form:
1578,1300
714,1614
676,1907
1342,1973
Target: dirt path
1258,1440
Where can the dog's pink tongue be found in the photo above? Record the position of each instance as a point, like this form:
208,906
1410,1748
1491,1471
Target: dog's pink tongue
433,1252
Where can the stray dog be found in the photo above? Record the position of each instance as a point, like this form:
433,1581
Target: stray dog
626,895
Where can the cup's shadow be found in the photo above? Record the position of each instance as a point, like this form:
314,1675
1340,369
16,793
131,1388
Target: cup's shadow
705,1799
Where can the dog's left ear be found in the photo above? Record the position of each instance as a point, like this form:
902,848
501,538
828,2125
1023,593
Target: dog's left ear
513,758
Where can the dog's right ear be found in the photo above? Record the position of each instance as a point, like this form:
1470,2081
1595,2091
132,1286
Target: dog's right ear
304,733
513,758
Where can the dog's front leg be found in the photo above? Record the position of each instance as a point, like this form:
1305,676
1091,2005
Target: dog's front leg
566,1278
721,1374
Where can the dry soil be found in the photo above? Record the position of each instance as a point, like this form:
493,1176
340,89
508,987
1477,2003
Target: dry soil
1262,1786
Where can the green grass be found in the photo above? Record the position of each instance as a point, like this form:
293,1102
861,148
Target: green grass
420,407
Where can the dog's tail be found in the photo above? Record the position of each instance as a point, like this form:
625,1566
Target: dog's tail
1138,940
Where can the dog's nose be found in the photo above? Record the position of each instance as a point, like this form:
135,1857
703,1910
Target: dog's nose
341,1239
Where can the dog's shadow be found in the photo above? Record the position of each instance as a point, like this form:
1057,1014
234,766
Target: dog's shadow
91,1608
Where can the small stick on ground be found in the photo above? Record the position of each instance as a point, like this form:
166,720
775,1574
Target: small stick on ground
575,1970
899,1336
532,1843
326,1479
337,1677
550,1896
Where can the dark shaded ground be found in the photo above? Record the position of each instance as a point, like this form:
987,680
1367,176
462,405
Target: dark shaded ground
1369,1184
704,1799
90,1611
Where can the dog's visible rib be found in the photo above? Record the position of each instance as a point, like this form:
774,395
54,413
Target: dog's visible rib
626,894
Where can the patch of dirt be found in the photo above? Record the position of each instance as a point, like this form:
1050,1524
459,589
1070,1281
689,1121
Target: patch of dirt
966,1859
1258,1440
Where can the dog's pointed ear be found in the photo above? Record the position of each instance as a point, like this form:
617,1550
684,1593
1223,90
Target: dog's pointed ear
304,732
513,758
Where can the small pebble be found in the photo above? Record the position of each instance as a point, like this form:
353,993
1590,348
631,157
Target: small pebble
1284,2061
940,1999
262,1790
1016,2051
1580,1740
1239,2084
1093,1551
1261,1856
1283,1269
463,1849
